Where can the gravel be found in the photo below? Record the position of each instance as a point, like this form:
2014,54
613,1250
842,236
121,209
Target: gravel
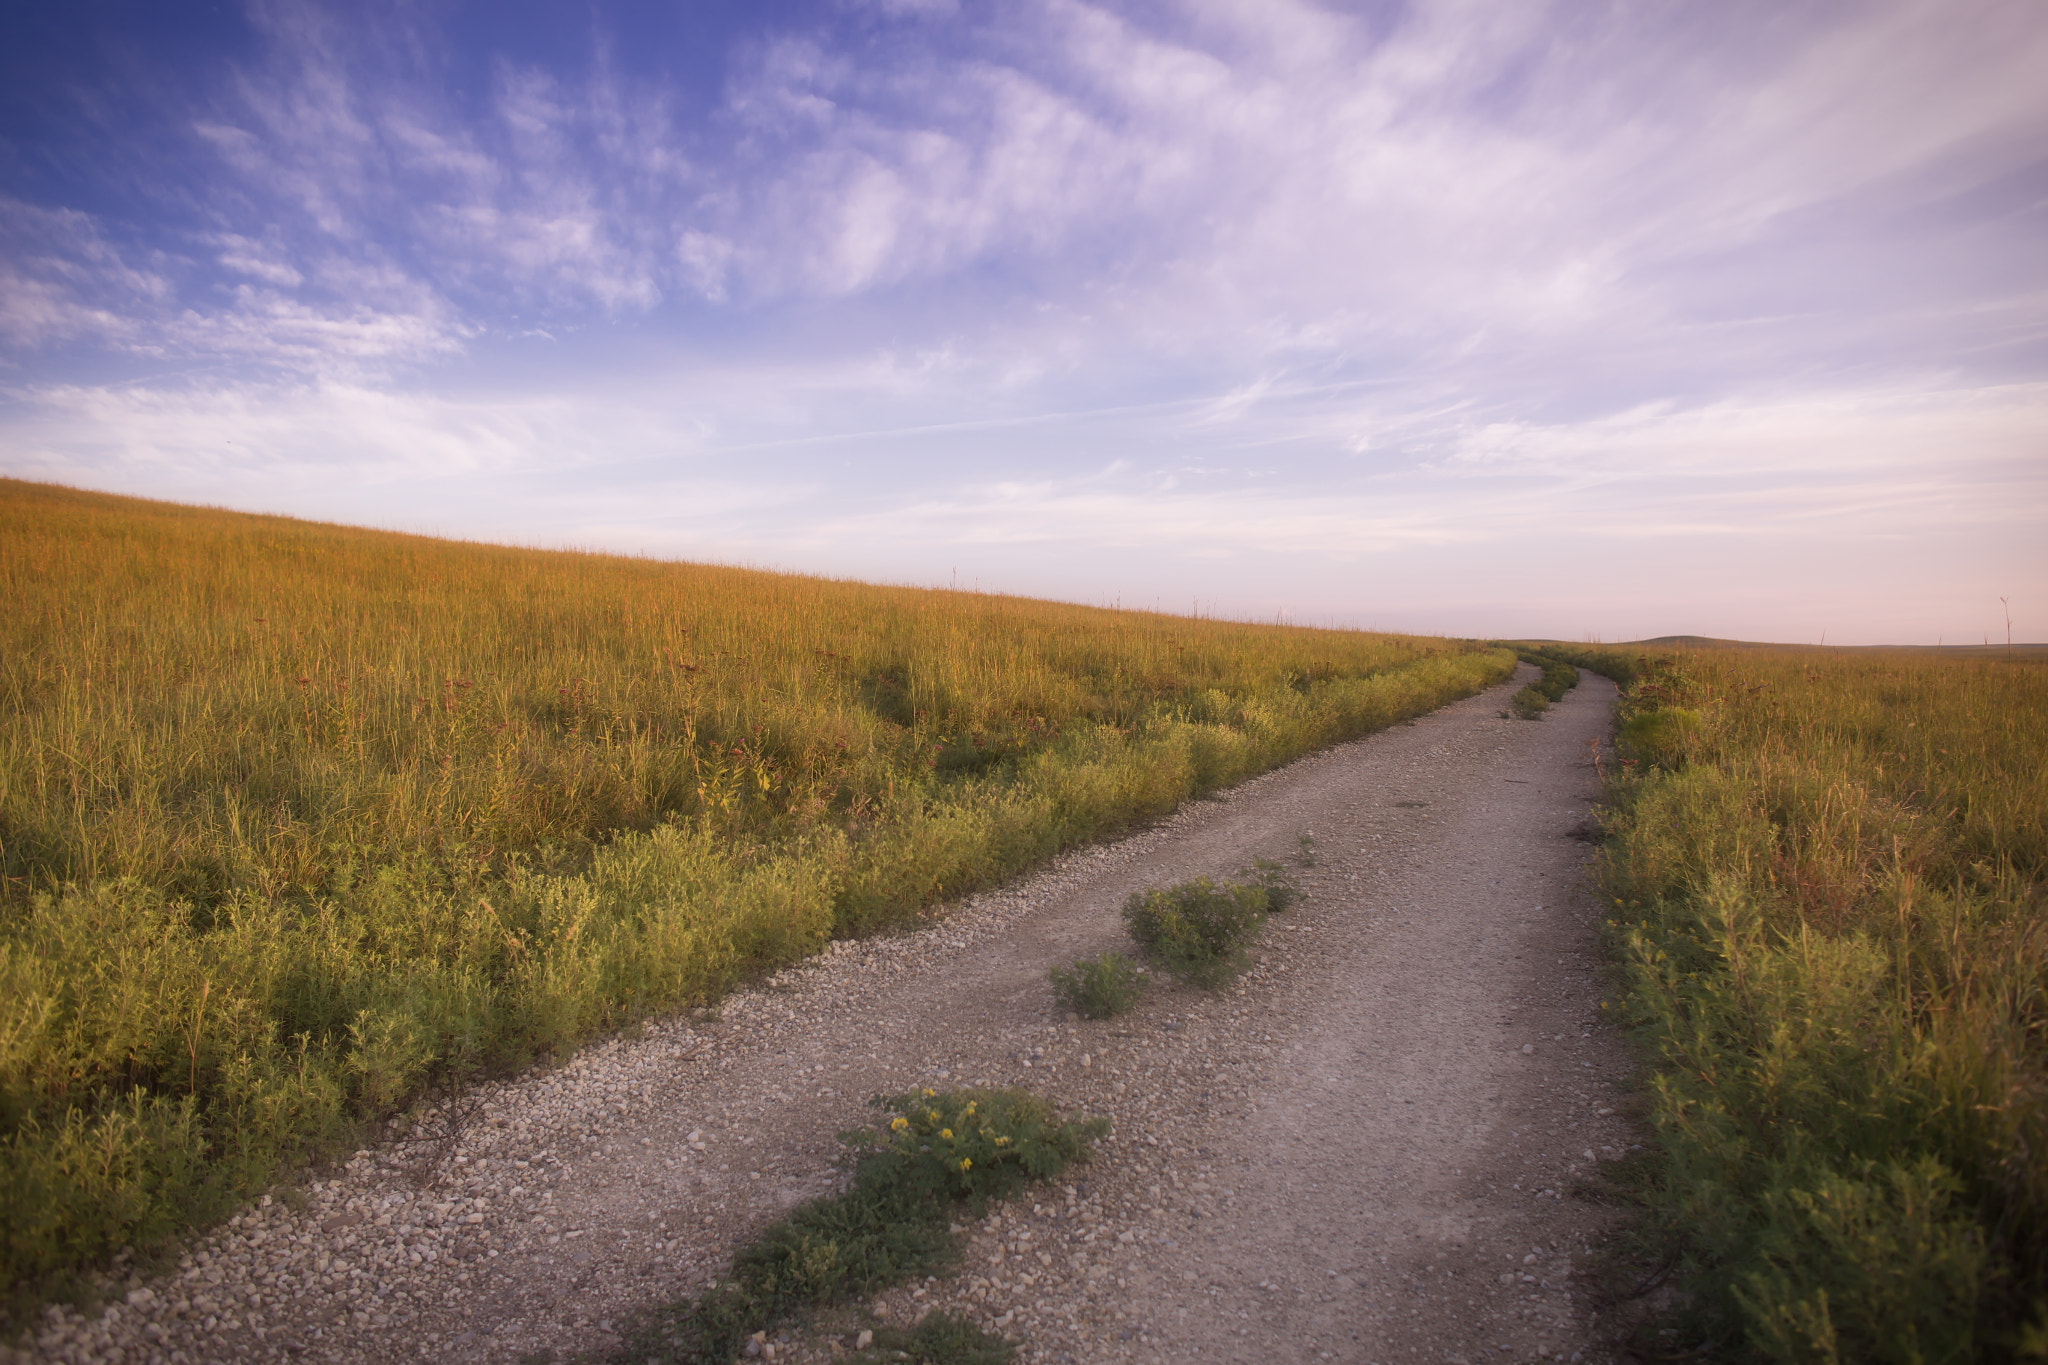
1363,1150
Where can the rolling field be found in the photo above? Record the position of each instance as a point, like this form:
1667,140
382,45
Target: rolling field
1826,871
297,820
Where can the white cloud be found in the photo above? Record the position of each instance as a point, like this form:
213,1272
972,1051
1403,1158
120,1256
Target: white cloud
256,260
61,280
905,9
1872,434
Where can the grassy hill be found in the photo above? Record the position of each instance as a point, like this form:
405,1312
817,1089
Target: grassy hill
1987,650
296,819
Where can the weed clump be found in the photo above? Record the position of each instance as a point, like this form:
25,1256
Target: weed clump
939,1151
1200,929
1272,878
1099,988
974,1145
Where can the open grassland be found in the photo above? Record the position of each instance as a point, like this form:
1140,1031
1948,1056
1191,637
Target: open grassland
1827,882
296,820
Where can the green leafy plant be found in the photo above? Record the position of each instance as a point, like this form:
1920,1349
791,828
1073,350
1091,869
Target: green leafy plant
1665,737
940,1150
1100,987
975,1145
1200,929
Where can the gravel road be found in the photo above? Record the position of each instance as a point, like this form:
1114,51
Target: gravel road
1363,1151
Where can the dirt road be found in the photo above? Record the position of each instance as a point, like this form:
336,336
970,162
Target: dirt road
1362,1152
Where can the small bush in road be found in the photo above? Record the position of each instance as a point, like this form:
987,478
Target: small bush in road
1199,930
975,1145
1098,988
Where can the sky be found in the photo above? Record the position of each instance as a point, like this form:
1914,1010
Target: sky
1576,320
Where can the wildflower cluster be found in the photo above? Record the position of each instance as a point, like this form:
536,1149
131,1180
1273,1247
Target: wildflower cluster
975,1144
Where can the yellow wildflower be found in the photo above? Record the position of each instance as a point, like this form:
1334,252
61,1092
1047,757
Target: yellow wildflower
966,1162
1002,1142
898,1124
946,1133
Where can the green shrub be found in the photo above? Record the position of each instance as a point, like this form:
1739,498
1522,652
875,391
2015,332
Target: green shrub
975,1145
1099,988
1558,679
1200,929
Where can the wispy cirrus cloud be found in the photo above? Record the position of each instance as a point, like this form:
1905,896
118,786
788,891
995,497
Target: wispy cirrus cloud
62,281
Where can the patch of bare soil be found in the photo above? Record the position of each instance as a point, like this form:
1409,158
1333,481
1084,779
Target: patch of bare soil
1364,1150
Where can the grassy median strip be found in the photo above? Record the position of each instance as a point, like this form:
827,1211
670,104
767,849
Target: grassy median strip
1558,678
939,1153
1826,873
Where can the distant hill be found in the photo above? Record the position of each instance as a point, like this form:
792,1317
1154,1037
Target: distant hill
1977,651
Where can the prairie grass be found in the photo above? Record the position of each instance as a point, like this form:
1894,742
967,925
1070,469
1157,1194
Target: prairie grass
296,819
1826,873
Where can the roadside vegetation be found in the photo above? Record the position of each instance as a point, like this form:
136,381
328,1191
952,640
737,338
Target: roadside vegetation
940,1154
1826,873
1559,677
296,820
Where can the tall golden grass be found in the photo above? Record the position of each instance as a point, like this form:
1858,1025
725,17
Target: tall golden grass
295,819
1827,873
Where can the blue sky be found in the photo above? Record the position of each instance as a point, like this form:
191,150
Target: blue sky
1563,319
